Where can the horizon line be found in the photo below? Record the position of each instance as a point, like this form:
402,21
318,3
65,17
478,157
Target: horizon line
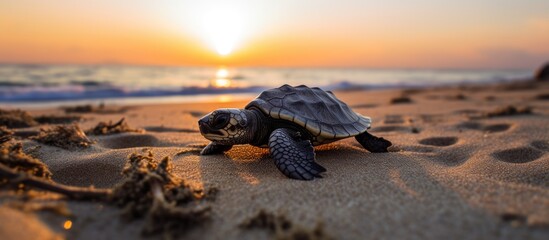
357,67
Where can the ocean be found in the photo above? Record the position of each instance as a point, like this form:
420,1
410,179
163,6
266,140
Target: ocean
39,85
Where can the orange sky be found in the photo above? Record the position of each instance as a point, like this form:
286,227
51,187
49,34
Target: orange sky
343,33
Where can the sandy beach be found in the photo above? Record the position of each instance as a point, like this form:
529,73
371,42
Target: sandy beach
459,168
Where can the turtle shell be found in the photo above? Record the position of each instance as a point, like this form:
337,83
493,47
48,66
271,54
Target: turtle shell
318,111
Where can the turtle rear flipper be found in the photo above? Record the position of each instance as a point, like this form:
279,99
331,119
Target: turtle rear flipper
372,143
294,156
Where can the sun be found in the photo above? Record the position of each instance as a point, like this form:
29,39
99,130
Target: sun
223,27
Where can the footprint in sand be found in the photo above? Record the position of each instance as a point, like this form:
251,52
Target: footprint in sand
394,119
455,157
518,155
432,118
394,124
439,141
491,128
513,218
540,145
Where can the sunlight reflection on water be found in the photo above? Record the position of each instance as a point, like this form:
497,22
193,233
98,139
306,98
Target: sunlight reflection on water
36,84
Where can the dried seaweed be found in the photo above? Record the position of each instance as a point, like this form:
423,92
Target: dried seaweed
53,119
282,228
209,195
12,156
16,119
5,134
23,171
401,99
508,111
151,190
104,128
80,109
410,91
518,86
269,221
64,136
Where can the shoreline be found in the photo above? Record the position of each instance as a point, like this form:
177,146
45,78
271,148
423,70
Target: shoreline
126,84
235,96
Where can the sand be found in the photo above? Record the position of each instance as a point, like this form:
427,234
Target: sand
453,172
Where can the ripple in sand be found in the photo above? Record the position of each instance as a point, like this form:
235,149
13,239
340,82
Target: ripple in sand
518,155
543,96
129,141
169,129
439,141
102,174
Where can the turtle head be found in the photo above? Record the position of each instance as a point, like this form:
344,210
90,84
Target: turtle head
226,126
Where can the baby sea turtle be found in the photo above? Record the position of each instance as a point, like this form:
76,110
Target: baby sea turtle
289,121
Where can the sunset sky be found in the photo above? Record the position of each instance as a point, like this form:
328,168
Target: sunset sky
283,33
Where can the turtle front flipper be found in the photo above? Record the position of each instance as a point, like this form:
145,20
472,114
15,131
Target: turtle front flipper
372,143
215,148
294,156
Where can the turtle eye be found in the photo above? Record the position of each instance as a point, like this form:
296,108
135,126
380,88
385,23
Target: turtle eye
220,121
